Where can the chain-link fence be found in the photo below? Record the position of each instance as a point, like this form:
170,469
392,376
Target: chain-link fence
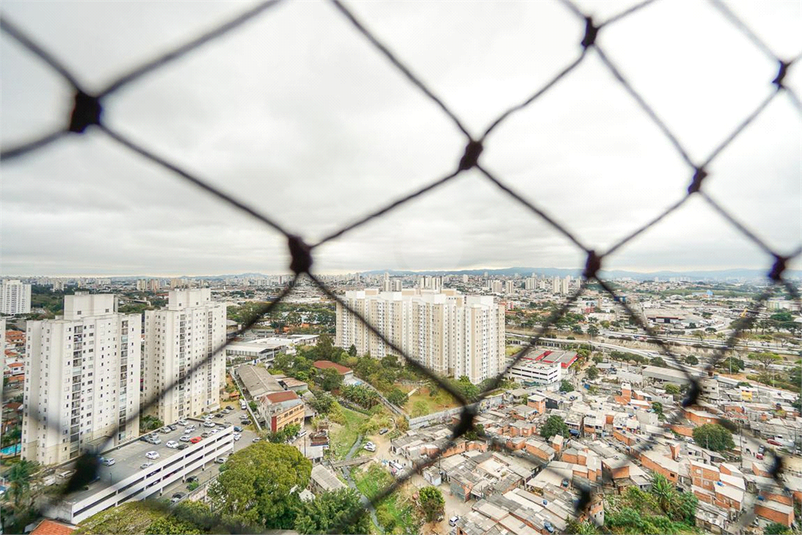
88,109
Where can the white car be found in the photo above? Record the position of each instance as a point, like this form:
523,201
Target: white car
207,423
453,521
185,438
237,436
370,446
182,422
171,444
145,465
190,427
152,455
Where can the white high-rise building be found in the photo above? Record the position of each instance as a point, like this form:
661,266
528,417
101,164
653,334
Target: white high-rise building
509,287
178,367
15,297
555,285
82,376
446,331
565,287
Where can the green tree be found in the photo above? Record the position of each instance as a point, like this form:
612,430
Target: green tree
260,485
19,481
432,504
149,423
322,402
329,379
691,360
352,350
765,358
566,386
664,491
658,408
554,426
397,397
592,373
339,511
598,359
172,526
593,331
713,437
672,389
775,528
657,361
585,527
252,404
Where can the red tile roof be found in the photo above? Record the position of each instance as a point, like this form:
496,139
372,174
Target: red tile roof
278,397
324,364
49,527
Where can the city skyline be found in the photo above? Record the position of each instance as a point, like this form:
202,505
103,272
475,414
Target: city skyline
320,130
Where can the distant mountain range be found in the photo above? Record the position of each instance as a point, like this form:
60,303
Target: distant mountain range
723,274
715,275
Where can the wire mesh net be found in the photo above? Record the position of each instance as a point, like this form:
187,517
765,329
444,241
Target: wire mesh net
88,113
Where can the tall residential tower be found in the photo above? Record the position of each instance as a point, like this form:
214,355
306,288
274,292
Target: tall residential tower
448,332
81,380
179,367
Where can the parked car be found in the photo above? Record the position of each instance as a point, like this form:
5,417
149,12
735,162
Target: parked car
208,424
205,434
190,427
165,430
152,455
383,430
108,462
774,442
237,436
220,460
172,427
256,439
177,497
183,446
453,521
219,415
155,440
195,440
229,407
237,429
192,479
370,446
172,444
182,422
185,438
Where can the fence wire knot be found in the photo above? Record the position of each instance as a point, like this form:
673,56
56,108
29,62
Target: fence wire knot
465,421
591,31
592,265
777,269
301,255
698,177
85,113
471,157
781,72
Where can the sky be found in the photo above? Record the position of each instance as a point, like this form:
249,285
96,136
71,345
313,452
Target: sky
298,115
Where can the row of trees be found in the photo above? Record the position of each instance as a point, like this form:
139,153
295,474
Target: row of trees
259,487
361,395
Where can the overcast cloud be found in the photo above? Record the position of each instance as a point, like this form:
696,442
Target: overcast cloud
298,115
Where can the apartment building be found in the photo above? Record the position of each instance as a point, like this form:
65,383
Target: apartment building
448,332
15,297
82,381
180,368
